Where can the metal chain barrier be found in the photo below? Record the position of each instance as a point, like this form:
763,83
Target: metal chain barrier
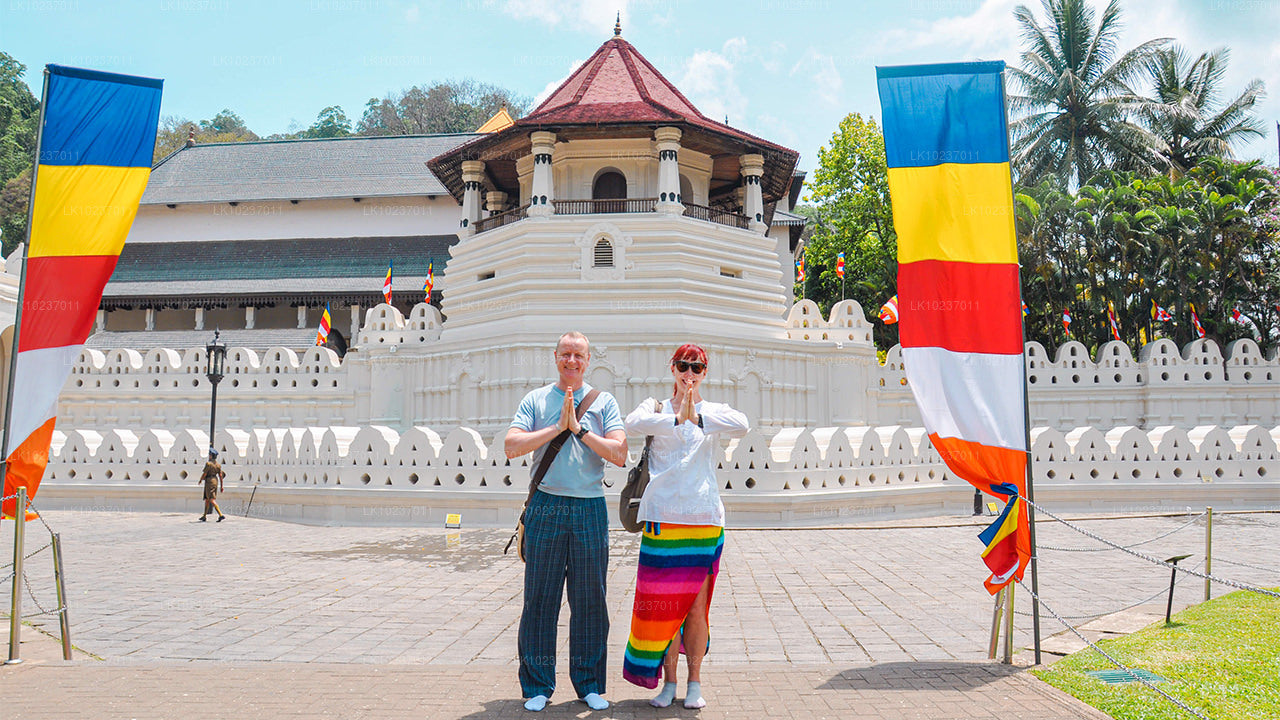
1251,567
1222,581
1108,656
1185,525
13,577
1159,593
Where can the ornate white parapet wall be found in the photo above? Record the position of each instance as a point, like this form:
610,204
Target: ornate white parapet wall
800,477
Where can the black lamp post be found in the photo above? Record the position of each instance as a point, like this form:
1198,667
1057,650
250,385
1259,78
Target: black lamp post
215,355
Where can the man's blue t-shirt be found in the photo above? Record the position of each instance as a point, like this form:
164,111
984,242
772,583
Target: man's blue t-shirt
577,470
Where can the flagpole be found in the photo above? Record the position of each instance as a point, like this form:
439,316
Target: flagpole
22,287
1026,423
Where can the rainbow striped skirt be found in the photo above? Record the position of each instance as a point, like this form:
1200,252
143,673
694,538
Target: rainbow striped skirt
674,563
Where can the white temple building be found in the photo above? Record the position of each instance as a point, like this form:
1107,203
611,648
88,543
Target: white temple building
614,208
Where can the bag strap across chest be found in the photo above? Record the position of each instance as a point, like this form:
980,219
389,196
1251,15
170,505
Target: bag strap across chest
556,443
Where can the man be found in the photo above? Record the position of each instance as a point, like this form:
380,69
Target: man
212,478
566,527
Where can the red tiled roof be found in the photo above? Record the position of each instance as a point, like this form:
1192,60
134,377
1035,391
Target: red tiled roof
618,85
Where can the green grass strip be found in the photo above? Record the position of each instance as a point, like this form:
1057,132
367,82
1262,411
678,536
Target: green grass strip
1221,658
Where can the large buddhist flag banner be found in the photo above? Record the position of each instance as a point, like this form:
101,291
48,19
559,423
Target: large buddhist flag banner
92,165
959,305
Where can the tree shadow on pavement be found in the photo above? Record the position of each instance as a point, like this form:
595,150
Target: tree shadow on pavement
913,675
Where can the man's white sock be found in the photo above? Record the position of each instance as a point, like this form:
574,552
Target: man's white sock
536,703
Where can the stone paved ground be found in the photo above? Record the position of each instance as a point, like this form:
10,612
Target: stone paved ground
252,616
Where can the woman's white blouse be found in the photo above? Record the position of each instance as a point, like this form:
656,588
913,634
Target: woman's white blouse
682,461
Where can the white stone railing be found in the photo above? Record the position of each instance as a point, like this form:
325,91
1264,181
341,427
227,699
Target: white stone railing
794,461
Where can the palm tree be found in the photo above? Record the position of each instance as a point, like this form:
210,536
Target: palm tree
1076,107
1184,112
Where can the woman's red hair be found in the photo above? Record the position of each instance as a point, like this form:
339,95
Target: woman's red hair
688,353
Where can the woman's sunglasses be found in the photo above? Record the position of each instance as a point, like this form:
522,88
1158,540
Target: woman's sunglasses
684,366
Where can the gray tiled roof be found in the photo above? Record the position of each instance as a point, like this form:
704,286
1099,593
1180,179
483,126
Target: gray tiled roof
782,217
294,339
271,263
387,166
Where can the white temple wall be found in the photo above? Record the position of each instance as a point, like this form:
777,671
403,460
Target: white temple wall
371,217
802,477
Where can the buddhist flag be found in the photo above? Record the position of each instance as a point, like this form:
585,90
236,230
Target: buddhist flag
946,143
92,166
840,266
1160,314
1066,320
1111,318
889,311
431,281
386,283
325,324
800,269
1195,321
1237,315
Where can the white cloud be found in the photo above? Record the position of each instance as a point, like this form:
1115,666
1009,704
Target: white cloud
988,32
821,70
709,80
551,86
587,15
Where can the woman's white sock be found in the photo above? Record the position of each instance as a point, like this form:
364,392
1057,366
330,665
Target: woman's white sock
666,697
693,696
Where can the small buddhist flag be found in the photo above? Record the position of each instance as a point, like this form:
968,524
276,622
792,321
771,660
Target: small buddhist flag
386,283
325,323
1237,315
1025,309
1142,336
1111,318
889,311
1195,321
840,266
1066,320
1160,314
800,269
431,281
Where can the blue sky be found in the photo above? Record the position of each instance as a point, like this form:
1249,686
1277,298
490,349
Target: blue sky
787,70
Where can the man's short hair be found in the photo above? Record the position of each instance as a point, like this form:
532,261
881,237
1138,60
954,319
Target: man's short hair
576,336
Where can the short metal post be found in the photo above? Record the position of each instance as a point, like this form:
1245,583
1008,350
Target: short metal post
1008,624
1168,610
977,502
64,622
15,607
995,626
1208,550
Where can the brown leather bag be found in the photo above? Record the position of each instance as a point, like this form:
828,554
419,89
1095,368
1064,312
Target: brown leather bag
637,481
553,449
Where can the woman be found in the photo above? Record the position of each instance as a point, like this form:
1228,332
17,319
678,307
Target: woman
684,530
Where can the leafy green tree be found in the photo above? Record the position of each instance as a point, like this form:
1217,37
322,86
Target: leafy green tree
330,123
852,214
1184,112
1074,113
173,132
19,114
452,106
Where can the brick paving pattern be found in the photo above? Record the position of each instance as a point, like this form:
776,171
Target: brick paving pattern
252,616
